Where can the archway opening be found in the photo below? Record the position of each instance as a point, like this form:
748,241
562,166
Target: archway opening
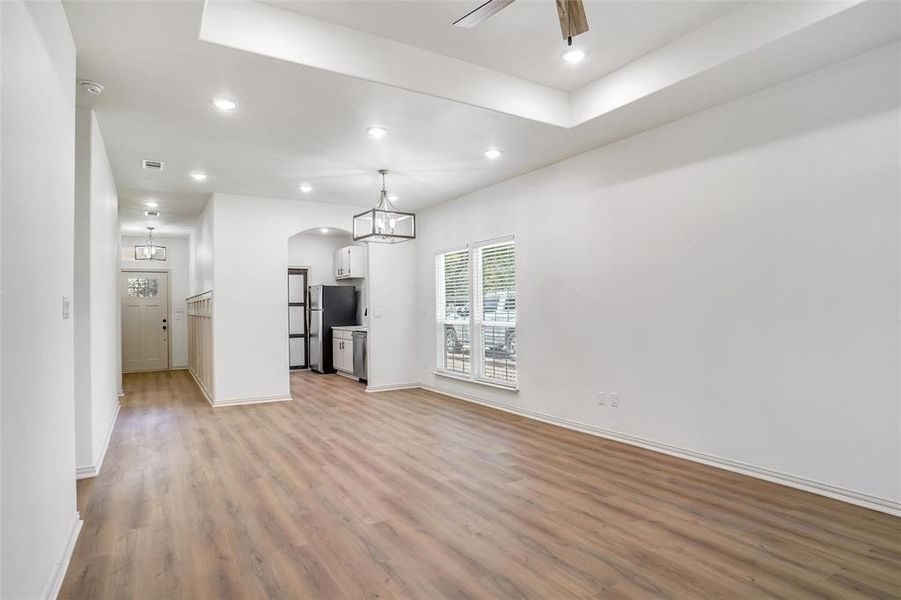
327,303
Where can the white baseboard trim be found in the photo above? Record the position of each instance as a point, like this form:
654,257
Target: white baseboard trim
86,472
51,591
94,470
390,388
242,401
239,401
808,485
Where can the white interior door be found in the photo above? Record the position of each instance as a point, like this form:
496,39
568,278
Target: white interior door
145,321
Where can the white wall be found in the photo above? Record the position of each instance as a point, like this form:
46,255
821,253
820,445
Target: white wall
177,250
96,303
249,309
200,253
37,509
733,275
81,301
1,297
393,343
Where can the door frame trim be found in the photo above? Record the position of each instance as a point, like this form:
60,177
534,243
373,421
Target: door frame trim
168,273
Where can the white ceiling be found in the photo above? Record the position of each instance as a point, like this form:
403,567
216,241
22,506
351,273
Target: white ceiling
294,124
299,124
524,39
178,211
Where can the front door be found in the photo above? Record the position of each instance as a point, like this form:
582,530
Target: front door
145,321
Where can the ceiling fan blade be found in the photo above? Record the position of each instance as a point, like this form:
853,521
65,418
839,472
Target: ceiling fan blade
483,13
572,18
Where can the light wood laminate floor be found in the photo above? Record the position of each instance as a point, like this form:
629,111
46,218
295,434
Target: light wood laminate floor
343,494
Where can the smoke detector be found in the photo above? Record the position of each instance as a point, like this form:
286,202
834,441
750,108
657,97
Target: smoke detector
152,165
91,87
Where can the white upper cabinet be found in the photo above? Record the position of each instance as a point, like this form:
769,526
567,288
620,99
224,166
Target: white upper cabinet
350,263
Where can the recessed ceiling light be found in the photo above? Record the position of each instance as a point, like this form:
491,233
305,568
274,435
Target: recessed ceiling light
198,175
492,153
323,230
574,56
151,204
377,132
306,188
225,104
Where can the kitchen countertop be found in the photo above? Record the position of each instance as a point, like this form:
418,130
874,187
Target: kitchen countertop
351,327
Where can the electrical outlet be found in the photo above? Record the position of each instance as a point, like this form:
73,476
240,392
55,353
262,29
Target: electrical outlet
601,400
614,399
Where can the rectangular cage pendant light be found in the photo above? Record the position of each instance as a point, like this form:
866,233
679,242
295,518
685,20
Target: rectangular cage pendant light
385,227
384,224
148,250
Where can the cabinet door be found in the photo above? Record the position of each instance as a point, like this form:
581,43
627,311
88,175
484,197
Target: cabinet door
345,262
355,265
348,357
338,267
338,354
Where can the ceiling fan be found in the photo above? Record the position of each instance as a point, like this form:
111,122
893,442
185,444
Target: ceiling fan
571,13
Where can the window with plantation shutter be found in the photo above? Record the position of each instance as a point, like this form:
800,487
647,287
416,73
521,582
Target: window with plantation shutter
495,319
454,307
476,312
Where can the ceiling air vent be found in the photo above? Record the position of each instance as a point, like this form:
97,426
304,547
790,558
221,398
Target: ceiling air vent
152,165
151,213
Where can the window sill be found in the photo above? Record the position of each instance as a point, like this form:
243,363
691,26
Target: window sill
500,386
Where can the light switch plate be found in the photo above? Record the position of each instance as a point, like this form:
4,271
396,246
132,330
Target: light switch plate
65,307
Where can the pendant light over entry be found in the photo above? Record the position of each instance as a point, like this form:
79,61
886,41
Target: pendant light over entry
384,224
148,250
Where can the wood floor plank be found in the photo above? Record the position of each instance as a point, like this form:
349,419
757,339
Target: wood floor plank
409,494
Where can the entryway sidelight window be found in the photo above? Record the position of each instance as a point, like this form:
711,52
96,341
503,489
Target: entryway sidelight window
476,312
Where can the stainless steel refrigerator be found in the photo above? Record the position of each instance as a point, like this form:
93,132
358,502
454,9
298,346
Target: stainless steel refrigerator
329,306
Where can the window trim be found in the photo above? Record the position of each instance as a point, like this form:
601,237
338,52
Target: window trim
486,383
476,352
